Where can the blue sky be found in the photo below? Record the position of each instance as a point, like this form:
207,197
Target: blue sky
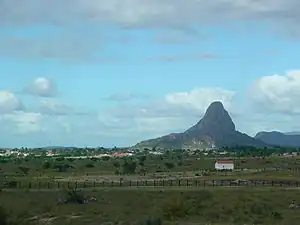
112,73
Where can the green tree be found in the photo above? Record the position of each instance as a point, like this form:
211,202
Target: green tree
89,165
116,164
169,165
46,165
24,170
142,160
129,167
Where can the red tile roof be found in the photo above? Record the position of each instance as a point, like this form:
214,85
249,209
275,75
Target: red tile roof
224,162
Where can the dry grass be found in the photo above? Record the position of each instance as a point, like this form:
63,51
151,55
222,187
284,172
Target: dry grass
173,206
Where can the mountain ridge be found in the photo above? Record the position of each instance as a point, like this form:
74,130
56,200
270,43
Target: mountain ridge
214,129
276,138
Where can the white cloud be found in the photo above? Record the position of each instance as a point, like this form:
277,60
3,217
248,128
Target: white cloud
65,124
147,12
54,107
201,98
278,93
42,87
75,45
9,102
25,122
175,112
69,46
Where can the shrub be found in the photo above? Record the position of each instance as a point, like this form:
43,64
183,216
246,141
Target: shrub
24,170
175,209
169,165
75,196
3,217
12,184
152,221
46,165
90,165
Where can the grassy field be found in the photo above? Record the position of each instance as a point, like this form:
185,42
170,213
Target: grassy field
43,171
172,206
130,205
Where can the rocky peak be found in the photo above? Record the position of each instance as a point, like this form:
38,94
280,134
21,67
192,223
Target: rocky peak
216,128
216,120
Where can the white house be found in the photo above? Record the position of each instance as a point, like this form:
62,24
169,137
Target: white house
224,165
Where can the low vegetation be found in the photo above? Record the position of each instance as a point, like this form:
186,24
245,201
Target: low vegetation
155,206
148,205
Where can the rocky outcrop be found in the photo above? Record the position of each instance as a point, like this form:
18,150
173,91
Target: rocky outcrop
215,129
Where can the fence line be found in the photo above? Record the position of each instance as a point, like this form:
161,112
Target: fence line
151,183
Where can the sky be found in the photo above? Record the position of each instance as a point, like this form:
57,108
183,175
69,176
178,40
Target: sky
116,72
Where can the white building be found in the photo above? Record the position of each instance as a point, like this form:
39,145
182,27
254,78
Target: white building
224,165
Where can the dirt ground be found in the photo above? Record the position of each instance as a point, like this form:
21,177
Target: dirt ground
116,178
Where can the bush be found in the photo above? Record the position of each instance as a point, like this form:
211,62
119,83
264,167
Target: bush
75,196
46,165
12,184
62,168
169,165
3,217
152,221
60,159
24,170
105,158
90,165
129,167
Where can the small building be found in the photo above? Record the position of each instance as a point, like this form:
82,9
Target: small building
224,165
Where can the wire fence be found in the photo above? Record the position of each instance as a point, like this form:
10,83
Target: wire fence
151,183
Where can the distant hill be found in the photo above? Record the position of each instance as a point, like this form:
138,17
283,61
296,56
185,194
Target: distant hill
293,133
57,147
291,139
215,129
